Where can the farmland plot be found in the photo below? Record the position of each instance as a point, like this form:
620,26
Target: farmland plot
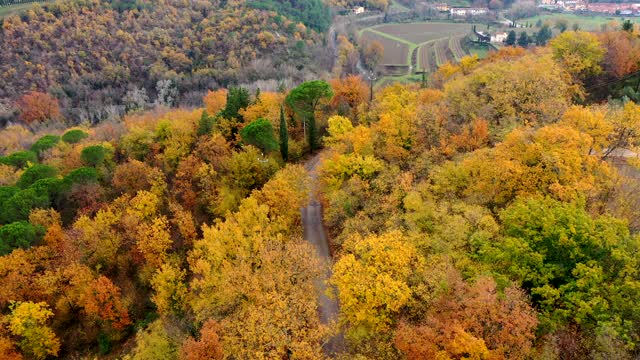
419,33
416,47
395,52
442,50
456,47
427,58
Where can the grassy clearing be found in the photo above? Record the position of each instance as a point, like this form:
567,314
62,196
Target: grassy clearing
13,9
459,3
481,50
404,79
589,23
396,6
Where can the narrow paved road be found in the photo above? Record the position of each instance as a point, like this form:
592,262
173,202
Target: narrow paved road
314,233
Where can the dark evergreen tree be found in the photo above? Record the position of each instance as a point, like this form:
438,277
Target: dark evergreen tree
304,100
206,123
511,38
543,36
237,98
523,40
313,13
259,133
284,136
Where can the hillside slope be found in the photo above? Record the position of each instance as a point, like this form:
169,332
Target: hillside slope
89,53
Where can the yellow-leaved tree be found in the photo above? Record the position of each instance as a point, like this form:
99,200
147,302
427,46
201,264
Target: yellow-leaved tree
396,107
373,280
266,106
592,121
532,90
554,160
170,289
580,52
255,275
28,320
215,101
626,128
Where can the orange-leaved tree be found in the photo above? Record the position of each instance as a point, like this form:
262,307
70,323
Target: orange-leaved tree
102,301
215,101
208,347
475,320
38,107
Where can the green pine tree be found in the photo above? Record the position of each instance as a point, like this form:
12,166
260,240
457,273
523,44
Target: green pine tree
304,100
206,123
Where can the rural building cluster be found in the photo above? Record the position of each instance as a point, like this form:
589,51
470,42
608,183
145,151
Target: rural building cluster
624,9
468,11
461,11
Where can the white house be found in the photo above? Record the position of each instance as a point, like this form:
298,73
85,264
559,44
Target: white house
468,11
357,10
443,7
499,37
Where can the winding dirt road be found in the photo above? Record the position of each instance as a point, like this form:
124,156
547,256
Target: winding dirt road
314,233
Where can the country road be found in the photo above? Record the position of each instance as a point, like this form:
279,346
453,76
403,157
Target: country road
314,233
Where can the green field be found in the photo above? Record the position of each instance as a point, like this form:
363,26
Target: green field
481,50
459,3
396,6
589,23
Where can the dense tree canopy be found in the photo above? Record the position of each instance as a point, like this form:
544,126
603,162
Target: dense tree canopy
305,100
494,215
313,13
260,134
576,268
122,58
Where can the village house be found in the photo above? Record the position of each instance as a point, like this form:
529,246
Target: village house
442,7
469,11
357,10
573,4
499,37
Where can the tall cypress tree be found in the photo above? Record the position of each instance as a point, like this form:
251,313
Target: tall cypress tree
511,38
284,136
312,133
523,40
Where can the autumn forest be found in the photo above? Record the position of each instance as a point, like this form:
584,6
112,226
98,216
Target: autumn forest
161,161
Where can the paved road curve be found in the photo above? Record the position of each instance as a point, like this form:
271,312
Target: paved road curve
314,233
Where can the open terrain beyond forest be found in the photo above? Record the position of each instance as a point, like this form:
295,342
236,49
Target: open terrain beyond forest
418,47
584,22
